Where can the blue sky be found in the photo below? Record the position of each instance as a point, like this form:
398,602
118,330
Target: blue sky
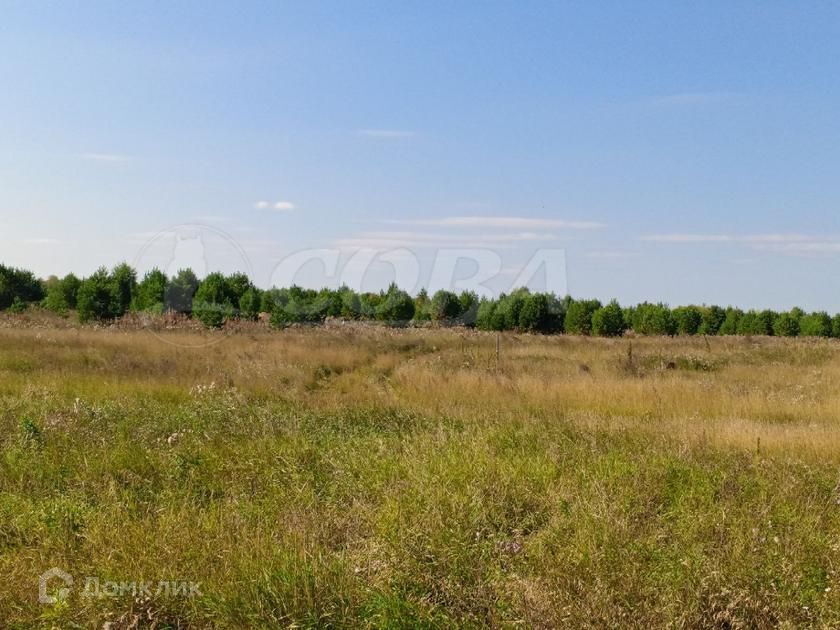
686,152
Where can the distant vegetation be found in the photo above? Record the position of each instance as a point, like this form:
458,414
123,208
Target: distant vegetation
107,295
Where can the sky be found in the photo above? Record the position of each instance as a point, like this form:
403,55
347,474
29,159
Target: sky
663,151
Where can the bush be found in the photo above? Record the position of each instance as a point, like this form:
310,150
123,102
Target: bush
835,326
786,325
654,319
815,325
62,295
485,318
249,304
730,321
688,319
712,319
609,321
396,306
151,292
124,280
444,307
20,284
469,307
96,298
753,323
422,307
534,314
578,319
180,291
211,304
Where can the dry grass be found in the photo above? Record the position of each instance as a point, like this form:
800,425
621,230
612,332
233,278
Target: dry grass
373,477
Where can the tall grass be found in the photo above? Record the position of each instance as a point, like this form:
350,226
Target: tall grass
382,478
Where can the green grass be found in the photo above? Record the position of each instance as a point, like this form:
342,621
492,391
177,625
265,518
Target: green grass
341,497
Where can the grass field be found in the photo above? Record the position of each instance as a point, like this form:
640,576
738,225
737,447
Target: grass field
370,477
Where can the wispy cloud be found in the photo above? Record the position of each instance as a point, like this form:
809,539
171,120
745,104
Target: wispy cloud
387,134
104,157
390,240
516,223
279,206
794,244
730,238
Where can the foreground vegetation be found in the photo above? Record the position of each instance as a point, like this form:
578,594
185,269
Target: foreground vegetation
359,476
217,299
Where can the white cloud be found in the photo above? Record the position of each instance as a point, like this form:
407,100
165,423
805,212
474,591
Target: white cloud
524,223
389,240
794,244
387,134
280,206
104,157
731,238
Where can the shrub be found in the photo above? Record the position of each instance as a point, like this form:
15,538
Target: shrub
151,292
815,325
21,284
485,317
180,291
578,319
422,307
249,304
654,319
124,280
62,295
786,325
712,319
506,315
730,321
608,321
688,319
396,306
534,314
835,326
351,306
444,307
96,299
469,307
211,304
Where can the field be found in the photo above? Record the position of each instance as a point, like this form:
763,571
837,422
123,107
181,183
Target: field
358,476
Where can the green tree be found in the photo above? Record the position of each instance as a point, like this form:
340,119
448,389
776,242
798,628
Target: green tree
713,317
730,321
96,297
534,316
124,279
578,320
815,325
688,319
396,306
469,307
787,324
151,292
62,295
211,303
485,315
422,307
653,319
249,304
444,307
20,284
180,291
608,321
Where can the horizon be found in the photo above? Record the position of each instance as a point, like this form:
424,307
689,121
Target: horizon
670,153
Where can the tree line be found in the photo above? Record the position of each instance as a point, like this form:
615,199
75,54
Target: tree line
109,294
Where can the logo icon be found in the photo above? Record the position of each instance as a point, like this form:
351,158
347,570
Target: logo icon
62,593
